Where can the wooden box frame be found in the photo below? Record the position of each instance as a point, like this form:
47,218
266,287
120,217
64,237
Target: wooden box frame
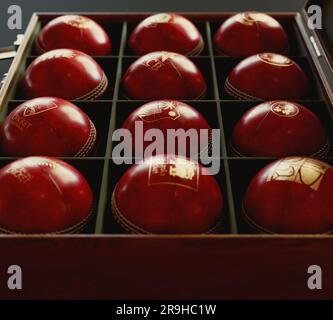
234,264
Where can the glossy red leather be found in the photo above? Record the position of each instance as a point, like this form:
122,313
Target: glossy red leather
163,75
168,32
74,32
248,33
267,76
64,73
164,115
167,195
43,195
47,126
291,196
279,129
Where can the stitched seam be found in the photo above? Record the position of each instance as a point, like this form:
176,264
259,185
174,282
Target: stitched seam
239,92
197,50
95,93
130,227
89,143
321,153
74,229
125,223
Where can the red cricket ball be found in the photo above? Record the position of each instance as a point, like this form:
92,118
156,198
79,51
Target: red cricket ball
74,32
47,126
43,195
248,33
291,195
267,76
167,195
165,115
64,73
279,129
163,75
166,31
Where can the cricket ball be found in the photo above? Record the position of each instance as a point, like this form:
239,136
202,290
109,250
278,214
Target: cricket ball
74,32
43,195
168,115
163,75
248,33
47,126
166,31
64,73
167,194
267,76
291,196
279,129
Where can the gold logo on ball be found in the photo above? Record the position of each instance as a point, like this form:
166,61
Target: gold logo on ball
250,18
275,59
154,21
158,62
253,18
31,110
20,123
285,109
164,110
79,22
21,174
175,171
308,172
59,53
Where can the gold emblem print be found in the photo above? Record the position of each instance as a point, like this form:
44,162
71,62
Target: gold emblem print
176,171
21,174
275,59
33,109
250,18
58,53
20,123
164,110
79,22
154,21
186,172
304,171
158,62
154,64
285,109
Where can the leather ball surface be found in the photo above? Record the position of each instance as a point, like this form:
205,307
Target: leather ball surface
74,32
267,76
43,195
249,33
279,129
163,75
167,195
166,115
47,126
168,32
64,73
291,196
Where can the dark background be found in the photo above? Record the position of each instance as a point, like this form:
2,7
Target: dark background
29,6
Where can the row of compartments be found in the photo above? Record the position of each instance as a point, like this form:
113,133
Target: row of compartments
114,30
107,121
223,67
233,185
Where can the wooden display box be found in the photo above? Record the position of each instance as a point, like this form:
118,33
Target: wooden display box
232,264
